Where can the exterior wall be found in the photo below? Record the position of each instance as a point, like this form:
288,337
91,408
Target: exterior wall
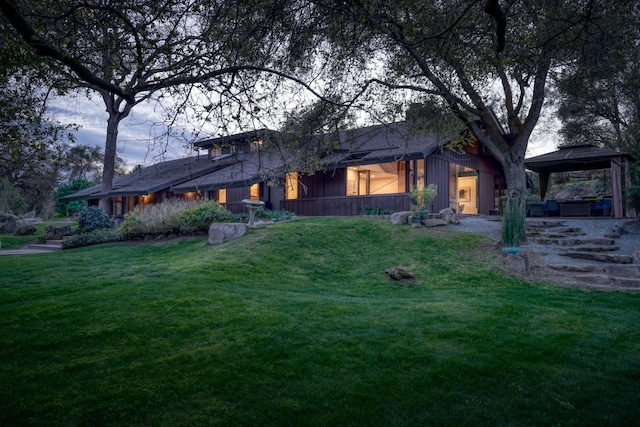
329,183
346,206
487,167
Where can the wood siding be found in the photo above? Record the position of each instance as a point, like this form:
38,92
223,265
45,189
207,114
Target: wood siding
346,206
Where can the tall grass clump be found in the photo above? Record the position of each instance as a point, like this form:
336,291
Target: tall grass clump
174,216
513,222
155,219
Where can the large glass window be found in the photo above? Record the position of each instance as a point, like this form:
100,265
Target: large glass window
291,182
381,178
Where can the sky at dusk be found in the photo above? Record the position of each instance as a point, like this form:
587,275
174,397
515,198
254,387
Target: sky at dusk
137,142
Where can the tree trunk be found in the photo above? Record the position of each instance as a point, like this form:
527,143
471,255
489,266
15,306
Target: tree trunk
115,117
516,177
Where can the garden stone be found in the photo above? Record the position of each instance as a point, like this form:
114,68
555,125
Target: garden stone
400,218
8,223
225,232
518,263
449,216
25,230
433,222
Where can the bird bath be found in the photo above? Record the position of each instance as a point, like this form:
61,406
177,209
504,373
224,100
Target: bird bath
253,206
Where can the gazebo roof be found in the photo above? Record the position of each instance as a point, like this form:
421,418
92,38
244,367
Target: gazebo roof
574,157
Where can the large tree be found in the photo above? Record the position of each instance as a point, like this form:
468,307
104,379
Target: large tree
131,51
599,93
488,61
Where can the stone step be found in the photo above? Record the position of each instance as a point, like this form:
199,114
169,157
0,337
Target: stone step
606,281
571,241
599,257
50,245
592,248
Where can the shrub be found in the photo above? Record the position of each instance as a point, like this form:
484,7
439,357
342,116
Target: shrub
93,218
155,219
202,214
101,235
274,215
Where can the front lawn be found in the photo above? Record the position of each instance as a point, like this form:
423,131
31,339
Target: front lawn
297,324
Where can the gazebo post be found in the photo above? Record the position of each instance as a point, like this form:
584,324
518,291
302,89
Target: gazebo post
616,188
544,183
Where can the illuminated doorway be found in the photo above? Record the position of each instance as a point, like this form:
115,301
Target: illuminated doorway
463,189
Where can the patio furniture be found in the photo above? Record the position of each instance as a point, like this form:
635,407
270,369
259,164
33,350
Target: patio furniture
551,208
575,208
536,208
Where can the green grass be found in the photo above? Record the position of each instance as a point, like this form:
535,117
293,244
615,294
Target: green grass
297,324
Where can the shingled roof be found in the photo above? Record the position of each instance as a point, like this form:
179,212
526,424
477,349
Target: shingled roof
154,178
573,157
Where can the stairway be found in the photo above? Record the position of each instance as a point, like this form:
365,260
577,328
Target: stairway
603,267
49,245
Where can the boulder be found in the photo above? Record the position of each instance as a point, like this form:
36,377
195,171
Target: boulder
434,222
400,218
449,216
25,230
225,232
57,232
518,263
8,223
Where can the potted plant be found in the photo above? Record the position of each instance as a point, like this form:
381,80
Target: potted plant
423,196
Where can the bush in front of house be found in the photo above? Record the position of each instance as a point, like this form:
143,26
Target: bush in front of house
93,218
100,235
274,215
173,216
202,214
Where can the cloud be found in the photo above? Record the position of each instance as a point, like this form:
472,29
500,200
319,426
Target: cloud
140,140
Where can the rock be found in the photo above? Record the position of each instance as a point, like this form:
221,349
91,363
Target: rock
518,263
8,223
25,230
434,222
594,279
636,255
400,218
57,232
577,268
225,232
400,274
449,216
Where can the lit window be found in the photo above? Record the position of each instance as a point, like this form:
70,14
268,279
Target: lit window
381,178
292,186
254,192
222,195
255,146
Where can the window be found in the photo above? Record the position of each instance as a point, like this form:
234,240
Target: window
254,147
222,195
291,182
254,192
381,178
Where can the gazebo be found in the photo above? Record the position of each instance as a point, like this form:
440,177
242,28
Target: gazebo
582,156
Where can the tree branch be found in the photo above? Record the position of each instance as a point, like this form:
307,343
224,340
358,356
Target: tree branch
44,48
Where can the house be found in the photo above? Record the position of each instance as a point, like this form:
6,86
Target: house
372,167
